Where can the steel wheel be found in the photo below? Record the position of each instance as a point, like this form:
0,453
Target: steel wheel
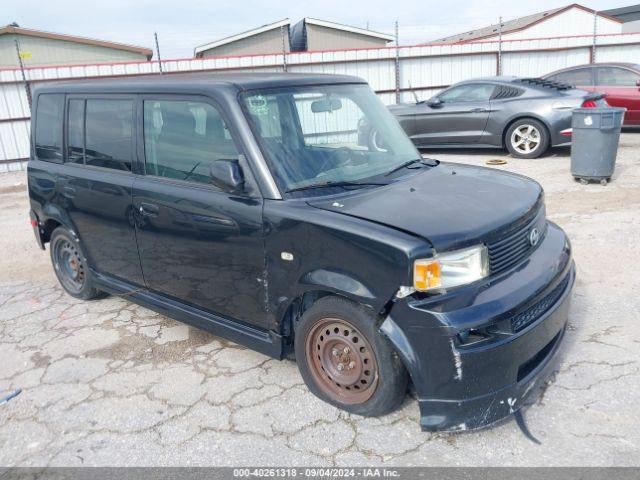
341,361
526,139
69,266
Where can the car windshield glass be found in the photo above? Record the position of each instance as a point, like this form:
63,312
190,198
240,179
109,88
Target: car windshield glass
326,134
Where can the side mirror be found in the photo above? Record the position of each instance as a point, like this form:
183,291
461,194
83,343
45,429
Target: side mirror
434,102
227,175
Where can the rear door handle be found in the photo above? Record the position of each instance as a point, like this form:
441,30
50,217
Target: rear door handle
480,109
148,209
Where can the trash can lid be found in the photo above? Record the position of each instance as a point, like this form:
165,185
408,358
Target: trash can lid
598,110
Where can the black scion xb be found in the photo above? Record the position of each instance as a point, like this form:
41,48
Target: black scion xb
246,205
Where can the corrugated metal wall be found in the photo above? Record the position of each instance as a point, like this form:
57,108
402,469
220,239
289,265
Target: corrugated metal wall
423,69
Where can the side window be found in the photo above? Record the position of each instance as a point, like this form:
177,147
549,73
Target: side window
476,92
75,131
580,77
109,133
616,77
182,139
48,134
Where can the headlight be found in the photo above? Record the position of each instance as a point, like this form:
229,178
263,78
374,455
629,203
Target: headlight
451,269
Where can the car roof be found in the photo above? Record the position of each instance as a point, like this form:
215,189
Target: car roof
189,82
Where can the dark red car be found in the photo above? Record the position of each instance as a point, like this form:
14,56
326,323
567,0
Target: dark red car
620,82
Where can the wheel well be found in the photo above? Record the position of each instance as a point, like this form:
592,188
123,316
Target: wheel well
517,119
48,228
297,308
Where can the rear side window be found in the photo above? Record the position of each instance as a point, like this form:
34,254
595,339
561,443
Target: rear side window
182,139
108,133
476,92
48,134
580,77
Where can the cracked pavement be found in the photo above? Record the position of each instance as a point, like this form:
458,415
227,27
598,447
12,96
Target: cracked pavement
108,382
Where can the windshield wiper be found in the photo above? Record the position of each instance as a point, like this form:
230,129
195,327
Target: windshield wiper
332,184
423,161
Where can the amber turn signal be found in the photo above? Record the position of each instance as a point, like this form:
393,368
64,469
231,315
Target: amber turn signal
426,274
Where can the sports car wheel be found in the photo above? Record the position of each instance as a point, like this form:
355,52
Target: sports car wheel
527,138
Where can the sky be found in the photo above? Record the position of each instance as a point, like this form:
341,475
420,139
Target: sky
182,25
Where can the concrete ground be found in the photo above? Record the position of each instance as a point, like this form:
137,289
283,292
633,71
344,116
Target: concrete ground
110,383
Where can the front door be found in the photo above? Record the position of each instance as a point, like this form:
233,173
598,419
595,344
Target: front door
459,117
197,244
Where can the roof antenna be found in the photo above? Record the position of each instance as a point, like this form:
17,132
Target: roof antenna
155,34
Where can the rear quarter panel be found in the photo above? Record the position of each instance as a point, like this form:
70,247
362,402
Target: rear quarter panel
541,108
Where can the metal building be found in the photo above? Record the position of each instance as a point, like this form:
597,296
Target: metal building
311,34
630,17
570,20
40,49
270,38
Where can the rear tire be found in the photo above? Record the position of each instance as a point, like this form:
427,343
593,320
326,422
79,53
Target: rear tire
71,266
527,138
345,361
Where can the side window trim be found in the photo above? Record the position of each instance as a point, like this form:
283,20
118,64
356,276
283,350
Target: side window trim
252,188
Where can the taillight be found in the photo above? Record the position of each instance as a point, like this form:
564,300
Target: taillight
589,104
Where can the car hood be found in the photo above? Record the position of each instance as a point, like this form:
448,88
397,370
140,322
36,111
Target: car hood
450,205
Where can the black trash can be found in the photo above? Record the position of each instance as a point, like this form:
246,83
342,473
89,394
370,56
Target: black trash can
594,143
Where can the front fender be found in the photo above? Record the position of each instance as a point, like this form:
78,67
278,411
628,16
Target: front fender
338,282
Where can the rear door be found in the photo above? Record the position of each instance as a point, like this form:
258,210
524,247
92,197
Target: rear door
198,244
459,118
622,90
94,185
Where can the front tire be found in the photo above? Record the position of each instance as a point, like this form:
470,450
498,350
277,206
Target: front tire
345,361
527,138
70,265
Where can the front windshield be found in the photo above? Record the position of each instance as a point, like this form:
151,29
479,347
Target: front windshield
326,134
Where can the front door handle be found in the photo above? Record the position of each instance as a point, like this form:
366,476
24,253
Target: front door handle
479,109
148,209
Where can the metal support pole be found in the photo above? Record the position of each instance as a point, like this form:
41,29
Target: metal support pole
155,34
397,65
595,36
284,49
27,87
499,68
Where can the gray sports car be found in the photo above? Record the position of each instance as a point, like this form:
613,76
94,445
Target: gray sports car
525,115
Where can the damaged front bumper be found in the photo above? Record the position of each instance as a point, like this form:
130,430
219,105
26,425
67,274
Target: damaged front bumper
522,315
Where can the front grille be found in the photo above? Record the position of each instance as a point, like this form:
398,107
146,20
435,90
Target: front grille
511,249
535,311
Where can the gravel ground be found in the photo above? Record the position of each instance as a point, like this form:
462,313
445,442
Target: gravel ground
110,383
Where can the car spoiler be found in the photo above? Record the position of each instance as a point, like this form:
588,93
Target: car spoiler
594,96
